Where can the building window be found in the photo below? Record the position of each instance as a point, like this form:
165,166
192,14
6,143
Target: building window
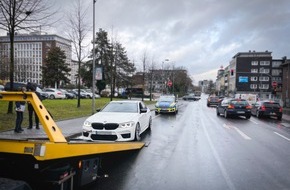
276,63
254,62
254,78
276,72
264,63
263,78
254,70
264,86
276,79
253,86
263,70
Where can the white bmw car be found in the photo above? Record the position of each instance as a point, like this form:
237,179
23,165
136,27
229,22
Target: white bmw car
118,121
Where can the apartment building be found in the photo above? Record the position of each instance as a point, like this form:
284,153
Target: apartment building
30,51
256,73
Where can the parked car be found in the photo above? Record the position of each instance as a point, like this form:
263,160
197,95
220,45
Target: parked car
68,95
213,100
54,93
82,94
43,94
118,121
91,93
166,104
189,97
234,107
267,108
17,86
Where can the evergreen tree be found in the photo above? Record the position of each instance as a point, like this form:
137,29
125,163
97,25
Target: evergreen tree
55,69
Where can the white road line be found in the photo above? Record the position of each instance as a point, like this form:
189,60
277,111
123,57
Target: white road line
225,174
282,136
242,134
226,126
254,122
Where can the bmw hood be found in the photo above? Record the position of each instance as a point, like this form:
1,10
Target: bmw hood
112,117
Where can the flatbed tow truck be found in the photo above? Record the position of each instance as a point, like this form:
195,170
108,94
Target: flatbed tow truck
52,161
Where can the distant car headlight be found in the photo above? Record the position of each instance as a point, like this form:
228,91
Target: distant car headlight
87,124
127,124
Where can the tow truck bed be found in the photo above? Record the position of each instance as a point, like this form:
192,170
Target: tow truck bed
39,153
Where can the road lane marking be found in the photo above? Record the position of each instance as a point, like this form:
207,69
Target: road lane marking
224,172
242,134
226,126
254,122
282,136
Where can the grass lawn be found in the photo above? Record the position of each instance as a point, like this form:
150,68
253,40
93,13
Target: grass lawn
59,109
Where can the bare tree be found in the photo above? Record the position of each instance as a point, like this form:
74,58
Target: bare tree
79,28
17,15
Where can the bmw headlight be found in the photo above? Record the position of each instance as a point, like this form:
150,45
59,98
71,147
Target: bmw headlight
127,124
87,124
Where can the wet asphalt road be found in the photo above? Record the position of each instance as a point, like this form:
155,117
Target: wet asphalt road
196,149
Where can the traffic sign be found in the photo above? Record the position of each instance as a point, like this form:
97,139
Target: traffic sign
274,84
169,83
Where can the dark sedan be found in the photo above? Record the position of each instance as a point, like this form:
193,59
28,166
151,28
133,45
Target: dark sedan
213,100
234,107
267,108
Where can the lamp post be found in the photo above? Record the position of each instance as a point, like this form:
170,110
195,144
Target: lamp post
162,77
94,75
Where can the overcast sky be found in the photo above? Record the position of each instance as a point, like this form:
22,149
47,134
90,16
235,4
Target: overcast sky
200,35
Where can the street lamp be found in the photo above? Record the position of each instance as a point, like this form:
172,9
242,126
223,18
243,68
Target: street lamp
93,78
162,77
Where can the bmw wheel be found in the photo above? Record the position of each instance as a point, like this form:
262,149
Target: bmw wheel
150,124
137,132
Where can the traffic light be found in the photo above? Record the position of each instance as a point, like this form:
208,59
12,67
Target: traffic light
232,72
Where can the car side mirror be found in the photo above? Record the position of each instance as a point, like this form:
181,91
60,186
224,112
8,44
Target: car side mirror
99,109
143,110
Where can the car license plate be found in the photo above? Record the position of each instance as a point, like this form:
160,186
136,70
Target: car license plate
240,112
104,133
272,113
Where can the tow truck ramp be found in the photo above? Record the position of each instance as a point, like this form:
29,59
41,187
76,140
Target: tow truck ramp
52,150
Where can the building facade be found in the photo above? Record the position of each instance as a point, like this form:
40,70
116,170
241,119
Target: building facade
30,51
254,72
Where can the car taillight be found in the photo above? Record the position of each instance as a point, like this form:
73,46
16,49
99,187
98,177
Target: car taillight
263,108
231,106
248,107
59,93
280,109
